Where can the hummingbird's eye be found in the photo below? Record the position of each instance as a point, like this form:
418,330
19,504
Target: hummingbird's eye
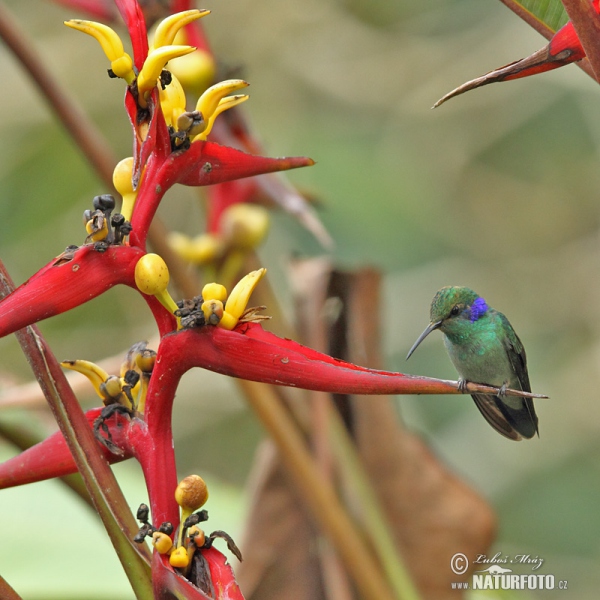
455,310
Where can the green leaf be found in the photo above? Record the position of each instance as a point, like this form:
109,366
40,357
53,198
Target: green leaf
550,12
545,16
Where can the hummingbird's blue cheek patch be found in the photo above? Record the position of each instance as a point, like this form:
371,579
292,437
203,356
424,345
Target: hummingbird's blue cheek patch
478,309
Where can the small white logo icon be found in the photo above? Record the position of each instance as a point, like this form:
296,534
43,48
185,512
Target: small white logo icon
459,563
495,570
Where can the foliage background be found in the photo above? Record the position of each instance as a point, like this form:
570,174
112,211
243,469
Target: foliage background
496,190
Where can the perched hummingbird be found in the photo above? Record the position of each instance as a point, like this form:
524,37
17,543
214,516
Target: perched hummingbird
484,348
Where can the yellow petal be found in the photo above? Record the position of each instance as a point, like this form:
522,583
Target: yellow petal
168,28
208,102
155,63
121,62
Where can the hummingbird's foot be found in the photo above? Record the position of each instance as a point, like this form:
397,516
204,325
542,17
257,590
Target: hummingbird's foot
462,385
503,389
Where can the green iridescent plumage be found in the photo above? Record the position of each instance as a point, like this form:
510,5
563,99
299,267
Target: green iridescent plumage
484,348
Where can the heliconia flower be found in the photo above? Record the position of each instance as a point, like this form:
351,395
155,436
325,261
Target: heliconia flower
563,49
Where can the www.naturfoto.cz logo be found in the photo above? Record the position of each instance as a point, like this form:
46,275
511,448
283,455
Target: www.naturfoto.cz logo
498,576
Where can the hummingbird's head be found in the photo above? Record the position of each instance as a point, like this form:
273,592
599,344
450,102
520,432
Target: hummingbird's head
453,304
453,310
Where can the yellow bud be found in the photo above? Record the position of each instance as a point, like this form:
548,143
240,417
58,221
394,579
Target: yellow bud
244,226
162,542
191,493
96,235
151,274
172,101
152,278
214,291
179,558
197,535
146,360
206,248
123,185
213,311
181,244
111,388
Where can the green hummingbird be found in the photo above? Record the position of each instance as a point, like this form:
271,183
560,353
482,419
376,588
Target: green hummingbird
484,348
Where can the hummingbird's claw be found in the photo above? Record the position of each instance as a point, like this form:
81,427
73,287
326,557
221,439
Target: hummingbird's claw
462,385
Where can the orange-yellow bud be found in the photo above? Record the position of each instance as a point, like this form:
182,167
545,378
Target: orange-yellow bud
191,493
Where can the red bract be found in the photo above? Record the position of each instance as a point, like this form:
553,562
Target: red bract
205,163
167,581
69,281
52,457
134,19
563,49
66,282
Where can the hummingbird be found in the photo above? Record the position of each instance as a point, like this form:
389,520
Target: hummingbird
484,348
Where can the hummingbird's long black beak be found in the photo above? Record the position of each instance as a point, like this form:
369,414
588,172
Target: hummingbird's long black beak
431,327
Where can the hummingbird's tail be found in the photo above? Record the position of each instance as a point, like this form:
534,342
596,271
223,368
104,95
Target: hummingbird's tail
513,423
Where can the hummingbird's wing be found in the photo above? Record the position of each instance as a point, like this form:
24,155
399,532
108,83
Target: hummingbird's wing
489,408
525,418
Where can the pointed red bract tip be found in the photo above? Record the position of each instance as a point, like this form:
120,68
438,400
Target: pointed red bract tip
206,163
249,352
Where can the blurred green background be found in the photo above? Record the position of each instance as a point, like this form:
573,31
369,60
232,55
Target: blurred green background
496,190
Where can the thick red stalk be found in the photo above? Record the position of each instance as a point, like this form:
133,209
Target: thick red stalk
152,441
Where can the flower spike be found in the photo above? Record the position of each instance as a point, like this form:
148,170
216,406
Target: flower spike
121,63
168,28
